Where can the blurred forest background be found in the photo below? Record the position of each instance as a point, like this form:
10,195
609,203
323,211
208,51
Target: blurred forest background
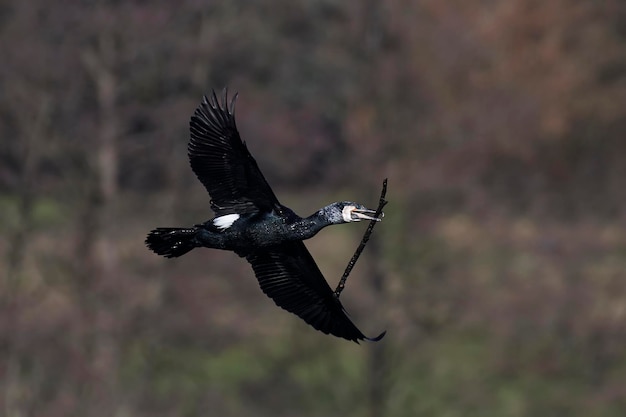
498,270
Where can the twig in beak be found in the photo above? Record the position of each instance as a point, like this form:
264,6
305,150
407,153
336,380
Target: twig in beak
381,203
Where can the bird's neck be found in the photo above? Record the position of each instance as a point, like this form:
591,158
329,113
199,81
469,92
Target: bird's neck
309,226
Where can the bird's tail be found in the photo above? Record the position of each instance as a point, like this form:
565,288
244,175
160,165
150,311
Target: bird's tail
172,242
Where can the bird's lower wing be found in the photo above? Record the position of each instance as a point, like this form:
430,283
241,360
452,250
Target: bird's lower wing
288,274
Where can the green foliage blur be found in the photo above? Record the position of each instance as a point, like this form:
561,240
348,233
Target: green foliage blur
499,268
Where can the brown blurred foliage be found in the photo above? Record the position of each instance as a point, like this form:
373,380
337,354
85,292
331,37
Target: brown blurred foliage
498,270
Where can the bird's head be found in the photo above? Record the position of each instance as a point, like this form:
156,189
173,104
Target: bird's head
347,212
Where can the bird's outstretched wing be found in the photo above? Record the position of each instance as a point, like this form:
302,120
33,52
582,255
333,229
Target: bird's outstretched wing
222,162
288,274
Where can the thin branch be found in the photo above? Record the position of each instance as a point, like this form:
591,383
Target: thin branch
381,203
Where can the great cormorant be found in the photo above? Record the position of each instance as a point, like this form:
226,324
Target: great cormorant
251,222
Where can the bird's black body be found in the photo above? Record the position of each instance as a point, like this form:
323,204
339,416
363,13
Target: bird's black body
252,223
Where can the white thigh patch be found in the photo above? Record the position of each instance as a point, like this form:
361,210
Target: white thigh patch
224,222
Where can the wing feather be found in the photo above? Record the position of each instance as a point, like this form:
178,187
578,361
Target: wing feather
288,274
222,162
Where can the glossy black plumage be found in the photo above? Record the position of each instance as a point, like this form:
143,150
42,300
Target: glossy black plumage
222,162
251,222
288,274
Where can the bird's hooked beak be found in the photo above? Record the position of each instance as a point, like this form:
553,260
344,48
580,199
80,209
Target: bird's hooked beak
358,214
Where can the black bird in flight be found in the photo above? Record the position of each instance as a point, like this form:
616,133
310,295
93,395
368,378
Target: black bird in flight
250,221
